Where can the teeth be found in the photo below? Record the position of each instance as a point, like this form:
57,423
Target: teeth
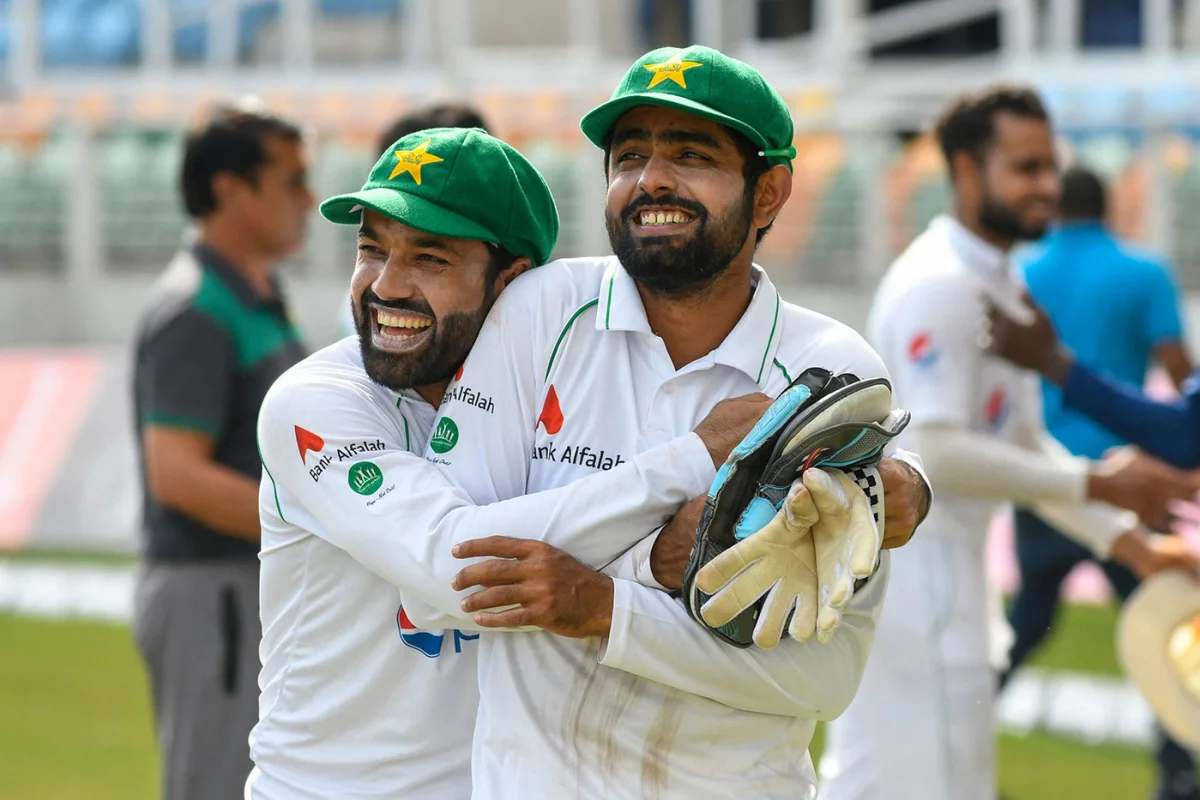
390,320
663,217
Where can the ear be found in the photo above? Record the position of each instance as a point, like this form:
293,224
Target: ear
964,169
774,189
506,277
225,185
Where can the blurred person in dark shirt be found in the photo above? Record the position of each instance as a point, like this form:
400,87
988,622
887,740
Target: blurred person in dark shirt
213,336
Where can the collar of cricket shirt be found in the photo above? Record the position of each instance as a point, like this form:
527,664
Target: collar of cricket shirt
749,347
981,256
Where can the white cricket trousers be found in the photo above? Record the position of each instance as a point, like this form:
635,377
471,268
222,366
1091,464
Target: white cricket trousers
922,726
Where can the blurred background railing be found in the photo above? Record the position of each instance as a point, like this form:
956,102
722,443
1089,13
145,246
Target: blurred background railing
98,93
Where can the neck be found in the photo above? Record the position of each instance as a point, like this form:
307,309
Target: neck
693,325
432,393
971,222
231,243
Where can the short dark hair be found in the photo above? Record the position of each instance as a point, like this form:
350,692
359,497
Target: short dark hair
499,259
443,115
754,166
1083,195
231,140
969,123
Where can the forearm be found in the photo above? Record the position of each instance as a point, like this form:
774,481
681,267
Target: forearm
970,464
652,636
636,563
1169,430
596,520
222,499
1094,525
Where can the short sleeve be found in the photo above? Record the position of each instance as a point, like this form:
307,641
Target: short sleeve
931,350
1162,321
185,374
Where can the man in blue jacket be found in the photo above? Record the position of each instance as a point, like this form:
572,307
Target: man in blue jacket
1169,430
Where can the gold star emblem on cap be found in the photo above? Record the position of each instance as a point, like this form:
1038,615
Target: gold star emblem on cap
671,70
411,161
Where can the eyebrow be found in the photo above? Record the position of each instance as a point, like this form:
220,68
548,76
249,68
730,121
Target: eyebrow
669,137
434,243
427,242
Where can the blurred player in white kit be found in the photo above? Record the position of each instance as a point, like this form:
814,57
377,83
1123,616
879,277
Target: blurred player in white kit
922,723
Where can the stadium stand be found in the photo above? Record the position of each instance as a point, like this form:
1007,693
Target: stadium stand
106,148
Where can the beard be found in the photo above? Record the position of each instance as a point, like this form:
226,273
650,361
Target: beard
677,266
1004,221
450,339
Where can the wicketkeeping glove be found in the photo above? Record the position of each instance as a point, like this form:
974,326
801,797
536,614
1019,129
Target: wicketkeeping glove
803,563
780,562
821,420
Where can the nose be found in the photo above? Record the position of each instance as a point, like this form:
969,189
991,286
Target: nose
658,177
394,281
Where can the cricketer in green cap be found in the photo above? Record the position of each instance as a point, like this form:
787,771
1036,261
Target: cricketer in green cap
698,150
447,218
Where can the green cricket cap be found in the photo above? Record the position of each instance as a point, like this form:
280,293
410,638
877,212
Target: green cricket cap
707,83
461,183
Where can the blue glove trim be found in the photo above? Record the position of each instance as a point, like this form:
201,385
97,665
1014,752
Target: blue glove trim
758,513
780,412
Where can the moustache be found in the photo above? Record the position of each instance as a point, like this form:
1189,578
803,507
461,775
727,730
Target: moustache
646,201
414,306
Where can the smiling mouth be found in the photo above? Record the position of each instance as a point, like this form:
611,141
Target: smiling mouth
399,331
660,221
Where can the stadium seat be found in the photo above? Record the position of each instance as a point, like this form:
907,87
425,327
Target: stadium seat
32,208
191,27
832,253
341,167
5,30
142,221
363,7
930,198
559,168
80,33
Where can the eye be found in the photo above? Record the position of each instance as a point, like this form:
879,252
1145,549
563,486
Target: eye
623,157
693,155
429,258
364,247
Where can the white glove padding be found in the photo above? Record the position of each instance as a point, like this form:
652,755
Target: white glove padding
847,542
779,561
805,560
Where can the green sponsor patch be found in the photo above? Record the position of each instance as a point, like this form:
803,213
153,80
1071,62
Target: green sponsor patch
445,437
365,478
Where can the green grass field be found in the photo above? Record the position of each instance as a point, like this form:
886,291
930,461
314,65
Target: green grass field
76,721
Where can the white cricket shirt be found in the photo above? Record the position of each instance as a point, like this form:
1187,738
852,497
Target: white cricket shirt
925,322
661,709
365,694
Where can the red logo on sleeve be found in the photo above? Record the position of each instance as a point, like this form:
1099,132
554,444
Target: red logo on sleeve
458,374
921,350
551,416
306,441
995,411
